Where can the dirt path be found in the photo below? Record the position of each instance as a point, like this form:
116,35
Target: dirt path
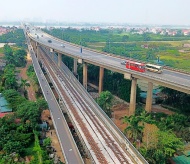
45,115
23,75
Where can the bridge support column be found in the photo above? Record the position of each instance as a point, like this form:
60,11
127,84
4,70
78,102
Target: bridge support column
148,106
75,67
38,52
59,59
85,75
36,47
33,45
132,105
52,54
101,78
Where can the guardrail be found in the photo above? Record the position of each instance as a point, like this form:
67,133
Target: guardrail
118,56
151,77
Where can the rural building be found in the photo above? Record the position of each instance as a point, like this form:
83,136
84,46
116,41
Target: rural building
4,108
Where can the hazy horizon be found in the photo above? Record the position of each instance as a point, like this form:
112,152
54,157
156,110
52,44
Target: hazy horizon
147,12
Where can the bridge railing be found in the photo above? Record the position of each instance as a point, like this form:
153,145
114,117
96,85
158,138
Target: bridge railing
118,56
150,76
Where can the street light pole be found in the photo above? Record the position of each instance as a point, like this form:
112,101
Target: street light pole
109,45
62,33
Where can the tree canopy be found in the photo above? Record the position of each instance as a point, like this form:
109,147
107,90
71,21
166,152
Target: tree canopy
105,102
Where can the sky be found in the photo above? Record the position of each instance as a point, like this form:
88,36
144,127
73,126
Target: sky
161,12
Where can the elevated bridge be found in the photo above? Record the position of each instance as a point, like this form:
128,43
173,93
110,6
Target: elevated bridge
80,106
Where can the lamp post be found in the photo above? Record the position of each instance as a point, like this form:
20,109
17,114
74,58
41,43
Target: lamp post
80,43
62,34
138,141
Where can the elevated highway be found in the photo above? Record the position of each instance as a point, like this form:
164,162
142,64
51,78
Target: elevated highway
174,79
169,78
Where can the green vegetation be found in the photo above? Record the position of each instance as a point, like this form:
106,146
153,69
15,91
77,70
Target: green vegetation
136,125
156,135
47,142
16,57
18,130
8,79
180,102
1,50
105,102
15,36
165,147
170,49
158,145
32,75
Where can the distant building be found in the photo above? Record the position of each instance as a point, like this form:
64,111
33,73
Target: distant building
186,32
4,108
182,159
155,96
143,96
3,30
186,45
144,46
3,115
44,126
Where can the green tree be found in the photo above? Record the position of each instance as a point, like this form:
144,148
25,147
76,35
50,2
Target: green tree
134,128
8,54
32,75
9,159
24,84
177,99
125,38
19,57
13,98
42,104
29,112
47,142
167,144
11,147
105,102
9,80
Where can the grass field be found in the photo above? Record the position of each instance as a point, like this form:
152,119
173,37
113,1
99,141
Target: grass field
1,50
172,53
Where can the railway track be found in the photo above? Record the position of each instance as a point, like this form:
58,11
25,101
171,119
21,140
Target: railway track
102,145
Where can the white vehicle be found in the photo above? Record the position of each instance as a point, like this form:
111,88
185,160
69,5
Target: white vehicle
62,45
123,62
154,68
